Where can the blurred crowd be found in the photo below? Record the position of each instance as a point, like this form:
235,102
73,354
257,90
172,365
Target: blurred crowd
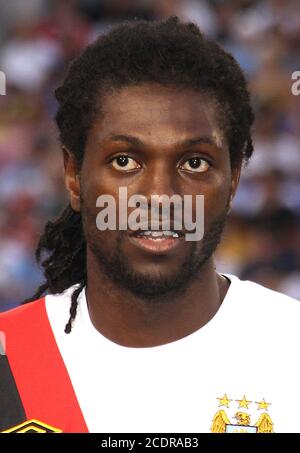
37,40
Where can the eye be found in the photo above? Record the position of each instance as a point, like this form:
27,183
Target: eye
124,163
196,165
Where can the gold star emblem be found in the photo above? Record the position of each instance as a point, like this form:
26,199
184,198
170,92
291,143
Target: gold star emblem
224,401
262,404
244,403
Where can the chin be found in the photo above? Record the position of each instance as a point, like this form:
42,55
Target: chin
156,272
153,288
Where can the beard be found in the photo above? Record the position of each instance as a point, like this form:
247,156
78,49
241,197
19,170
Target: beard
153,288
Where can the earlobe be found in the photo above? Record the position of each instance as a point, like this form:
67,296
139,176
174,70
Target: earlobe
236,174
230,202
72,180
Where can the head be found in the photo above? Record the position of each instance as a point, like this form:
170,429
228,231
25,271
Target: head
159,109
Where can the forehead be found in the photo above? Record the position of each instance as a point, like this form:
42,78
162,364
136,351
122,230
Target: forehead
152,109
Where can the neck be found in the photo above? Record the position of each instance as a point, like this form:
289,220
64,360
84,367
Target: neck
129,321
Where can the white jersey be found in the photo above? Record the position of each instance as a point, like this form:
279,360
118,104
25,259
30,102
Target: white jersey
238,373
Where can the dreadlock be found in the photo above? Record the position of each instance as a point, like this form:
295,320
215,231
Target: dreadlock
65,261
168,53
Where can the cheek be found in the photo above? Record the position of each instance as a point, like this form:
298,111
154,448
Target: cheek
96,182
216,197
105,242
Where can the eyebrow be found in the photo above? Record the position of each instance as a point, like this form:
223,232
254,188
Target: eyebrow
183,144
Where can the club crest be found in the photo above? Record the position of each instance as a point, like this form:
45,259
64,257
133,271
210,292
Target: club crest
241,420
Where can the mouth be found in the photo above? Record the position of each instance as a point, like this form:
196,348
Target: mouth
157,241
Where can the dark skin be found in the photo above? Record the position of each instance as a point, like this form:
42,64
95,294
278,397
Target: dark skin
159,129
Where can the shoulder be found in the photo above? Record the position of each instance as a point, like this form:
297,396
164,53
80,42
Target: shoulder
23,312
257,294
257,302
35,314
20,327
30,326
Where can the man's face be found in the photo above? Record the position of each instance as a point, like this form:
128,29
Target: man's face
154,140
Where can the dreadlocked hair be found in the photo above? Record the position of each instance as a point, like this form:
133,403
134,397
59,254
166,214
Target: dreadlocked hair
169,53
61,252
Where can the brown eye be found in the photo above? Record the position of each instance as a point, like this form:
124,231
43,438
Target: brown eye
195,164
124,163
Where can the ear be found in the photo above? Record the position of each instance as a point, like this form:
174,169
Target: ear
235,178
72,181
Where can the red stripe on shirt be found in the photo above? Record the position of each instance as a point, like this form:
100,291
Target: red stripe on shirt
40,373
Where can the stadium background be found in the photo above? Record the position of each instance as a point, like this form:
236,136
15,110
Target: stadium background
39,37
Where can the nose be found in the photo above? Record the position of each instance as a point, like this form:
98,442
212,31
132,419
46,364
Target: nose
160,179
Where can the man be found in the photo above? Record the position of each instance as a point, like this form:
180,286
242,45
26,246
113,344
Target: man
138,332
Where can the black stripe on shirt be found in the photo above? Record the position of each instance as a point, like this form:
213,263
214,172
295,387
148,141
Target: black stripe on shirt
11,408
